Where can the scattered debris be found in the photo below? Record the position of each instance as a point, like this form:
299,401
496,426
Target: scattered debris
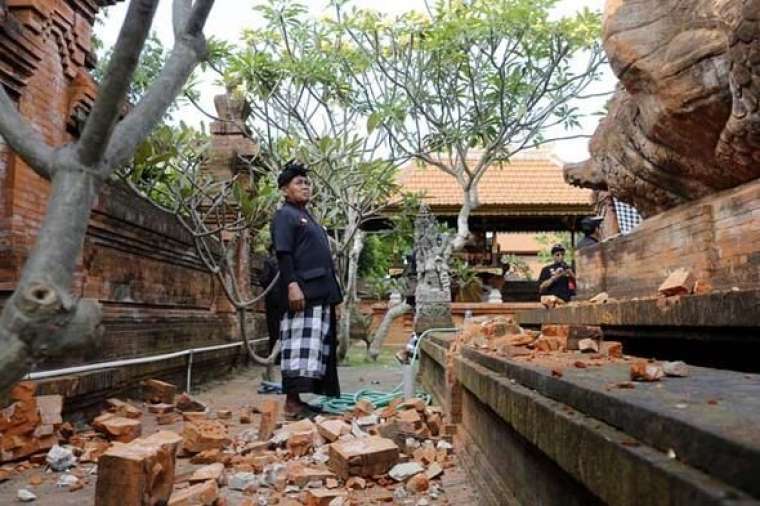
141,472
588,346
123,409
402,472
676,369
29,424
25,495
679,282
551,301
118,428
641,370
60,458
210,472
67,481
366,457
202,494
270,413
187,404
204,435
159,392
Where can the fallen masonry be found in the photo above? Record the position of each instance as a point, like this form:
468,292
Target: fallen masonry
205,459
640,425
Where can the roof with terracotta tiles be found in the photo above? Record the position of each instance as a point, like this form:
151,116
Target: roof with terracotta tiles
529,182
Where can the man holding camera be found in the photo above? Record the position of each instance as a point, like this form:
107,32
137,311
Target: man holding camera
558,278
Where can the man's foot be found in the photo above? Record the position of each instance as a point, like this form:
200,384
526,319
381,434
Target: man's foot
299,412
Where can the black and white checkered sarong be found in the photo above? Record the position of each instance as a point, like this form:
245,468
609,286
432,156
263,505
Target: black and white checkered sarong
305,347
627,215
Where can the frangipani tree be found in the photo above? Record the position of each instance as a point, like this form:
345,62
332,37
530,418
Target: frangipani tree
43,316
303,106
471,83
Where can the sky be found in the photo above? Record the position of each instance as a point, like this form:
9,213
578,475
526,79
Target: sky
230,17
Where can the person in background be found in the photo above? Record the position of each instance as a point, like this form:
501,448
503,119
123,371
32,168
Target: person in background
589,227
557,278
308,328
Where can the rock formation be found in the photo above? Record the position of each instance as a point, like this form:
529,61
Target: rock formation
684,121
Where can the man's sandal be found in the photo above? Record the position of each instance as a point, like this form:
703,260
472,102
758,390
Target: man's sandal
301,414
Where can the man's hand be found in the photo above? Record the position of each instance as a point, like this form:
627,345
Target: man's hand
295,298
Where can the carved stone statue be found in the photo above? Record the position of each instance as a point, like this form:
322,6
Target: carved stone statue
433,292
685,119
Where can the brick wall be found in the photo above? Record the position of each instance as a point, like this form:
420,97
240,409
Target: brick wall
717,238
138,262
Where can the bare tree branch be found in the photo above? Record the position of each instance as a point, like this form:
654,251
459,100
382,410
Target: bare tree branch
188,50
24,139
115,85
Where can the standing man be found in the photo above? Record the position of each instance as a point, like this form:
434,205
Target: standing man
308,327
556,278
589,226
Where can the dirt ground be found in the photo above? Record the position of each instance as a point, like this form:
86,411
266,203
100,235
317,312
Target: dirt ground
233,393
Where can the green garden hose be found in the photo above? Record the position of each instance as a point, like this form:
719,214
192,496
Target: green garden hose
346,402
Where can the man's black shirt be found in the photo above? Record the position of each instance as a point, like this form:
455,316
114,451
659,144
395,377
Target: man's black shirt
303,252
561,287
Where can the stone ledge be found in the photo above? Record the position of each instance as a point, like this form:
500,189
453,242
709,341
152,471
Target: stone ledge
722,439
732,309
617,469
613,441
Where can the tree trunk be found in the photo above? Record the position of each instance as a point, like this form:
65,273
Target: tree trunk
42,316
250,354
378,338
349,299
470,202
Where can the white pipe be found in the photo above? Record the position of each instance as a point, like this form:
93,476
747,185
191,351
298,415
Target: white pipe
408,381
132,361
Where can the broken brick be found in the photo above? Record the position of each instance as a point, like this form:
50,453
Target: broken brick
322,496
202,494
418,484
300,475
118,428
547,344
300,443
676,369
161,408
363,407
134,473
415,403
588,346
551,301
612,349
679,282
270,414
204,435
185,403
362,457
641,370
434,471
159,392
331,430
356,483
209,472
123,409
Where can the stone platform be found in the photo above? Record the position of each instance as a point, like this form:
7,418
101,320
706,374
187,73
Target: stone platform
576,439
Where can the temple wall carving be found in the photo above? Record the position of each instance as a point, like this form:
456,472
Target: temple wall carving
684,121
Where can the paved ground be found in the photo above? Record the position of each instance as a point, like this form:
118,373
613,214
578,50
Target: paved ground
234,393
